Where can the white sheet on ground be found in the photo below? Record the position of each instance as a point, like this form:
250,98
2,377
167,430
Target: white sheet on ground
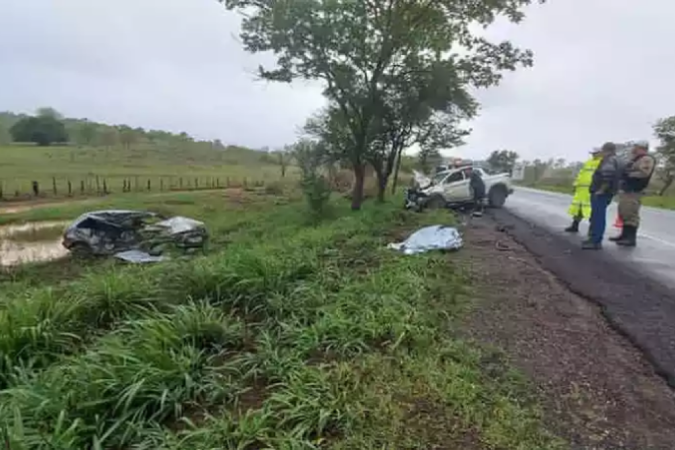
435,237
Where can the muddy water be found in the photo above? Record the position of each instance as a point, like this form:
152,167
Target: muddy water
14,251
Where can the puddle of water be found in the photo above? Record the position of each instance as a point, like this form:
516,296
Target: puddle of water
15,252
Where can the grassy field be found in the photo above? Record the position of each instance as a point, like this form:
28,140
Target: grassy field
284,335
86,168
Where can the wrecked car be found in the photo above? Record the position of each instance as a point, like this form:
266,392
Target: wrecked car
133,236
450,189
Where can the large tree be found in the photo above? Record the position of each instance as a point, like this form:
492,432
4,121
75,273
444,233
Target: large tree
664,130
423,107
359,48
43,130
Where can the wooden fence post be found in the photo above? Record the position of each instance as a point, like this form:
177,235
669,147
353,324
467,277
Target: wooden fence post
82,186
70,188
196,183
36,188
98,185
105,187
149,185
54,185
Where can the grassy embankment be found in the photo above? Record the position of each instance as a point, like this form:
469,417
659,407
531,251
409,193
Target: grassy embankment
282,336
162,166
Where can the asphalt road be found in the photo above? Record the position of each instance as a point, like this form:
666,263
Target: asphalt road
633,287
655,254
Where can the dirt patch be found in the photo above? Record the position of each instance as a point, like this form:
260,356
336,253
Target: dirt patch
434,425
598,390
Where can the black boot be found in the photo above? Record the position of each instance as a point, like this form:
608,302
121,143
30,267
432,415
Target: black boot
574,227
620,236
629,238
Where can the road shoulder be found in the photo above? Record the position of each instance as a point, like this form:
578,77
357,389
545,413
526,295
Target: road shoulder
597,389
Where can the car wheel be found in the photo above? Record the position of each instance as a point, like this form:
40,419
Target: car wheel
497,197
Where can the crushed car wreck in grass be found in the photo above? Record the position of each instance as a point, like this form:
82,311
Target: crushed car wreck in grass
133,236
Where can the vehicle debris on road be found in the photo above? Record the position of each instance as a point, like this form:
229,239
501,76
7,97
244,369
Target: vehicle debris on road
133,236
435,237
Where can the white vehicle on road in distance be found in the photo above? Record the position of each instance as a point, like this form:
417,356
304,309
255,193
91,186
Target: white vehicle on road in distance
450,188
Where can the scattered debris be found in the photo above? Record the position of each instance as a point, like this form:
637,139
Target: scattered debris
435,237
133,236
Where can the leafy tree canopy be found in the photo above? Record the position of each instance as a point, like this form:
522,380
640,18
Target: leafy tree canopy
43,130
664,130
382,59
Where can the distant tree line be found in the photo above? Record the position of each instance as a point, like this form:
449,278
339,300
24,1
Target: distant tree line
47,126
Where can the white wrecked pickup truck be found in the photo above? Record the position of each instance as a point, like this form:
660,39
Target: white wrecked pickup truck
450,188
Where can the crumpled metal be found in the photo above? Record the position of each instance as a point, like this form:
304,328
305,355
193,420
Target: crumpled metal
131,236
435,237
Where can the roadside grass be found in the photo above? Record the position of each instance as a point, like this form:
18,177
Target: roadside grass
665,202
285,336
224,213
209,202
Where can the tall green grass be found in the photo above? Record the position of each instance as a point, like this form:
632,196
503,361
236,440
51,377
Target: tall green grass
289,337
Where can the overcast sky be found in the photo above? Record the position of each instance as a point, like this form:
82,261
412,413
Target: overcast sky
604,70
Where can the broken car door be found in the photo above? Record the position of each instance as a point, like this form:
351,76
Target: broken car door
456,187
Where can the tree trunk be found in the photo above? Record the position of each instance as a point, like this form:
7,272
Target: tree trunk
666,185
359,182
382,180
397,167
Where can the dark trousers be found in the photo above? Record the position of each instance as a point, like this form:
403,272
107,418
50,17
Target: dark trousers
478,199
598,221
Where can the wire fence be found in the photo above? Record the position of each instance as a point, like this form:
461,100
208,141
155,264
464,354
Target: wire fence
100,186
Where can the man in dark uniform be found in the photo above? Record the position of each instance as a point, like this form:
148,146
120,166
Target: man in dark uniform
634,180
477,186
604,185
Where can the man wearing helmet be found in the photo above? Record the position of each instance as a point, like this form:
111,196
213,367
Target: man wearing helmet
635,179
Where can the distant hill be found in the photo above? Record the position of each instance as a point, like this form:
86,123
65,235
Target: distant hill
97,149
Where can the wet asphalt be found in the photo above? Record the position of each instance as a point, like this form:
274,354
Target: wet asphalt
655,254
634,288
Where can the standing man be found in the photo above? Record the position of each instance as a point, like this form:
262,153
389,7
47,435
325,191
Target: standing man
634,181
581,203
477,187
604,185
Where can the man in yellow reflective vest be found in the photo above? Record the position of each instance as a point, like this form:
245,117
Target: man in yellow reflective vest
581,204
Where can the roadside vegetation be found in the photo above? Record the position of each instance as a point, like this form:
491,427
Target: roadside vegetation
285,335
298,328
